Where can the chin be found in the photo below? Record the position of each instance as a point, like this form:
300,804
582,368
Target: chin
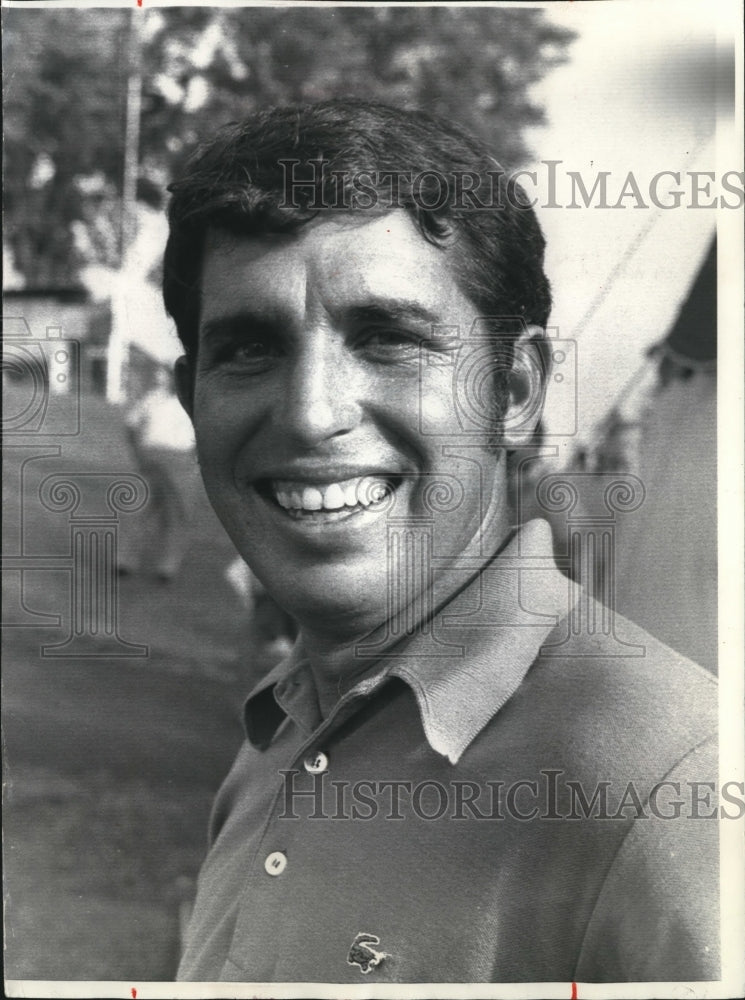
333,601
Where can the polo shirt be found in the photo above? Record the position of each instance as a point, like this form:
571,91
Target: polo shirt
519,791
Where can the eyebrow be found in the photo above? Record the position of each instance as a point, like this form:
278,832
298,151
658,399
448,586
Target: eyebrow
235,324
387,310
371,311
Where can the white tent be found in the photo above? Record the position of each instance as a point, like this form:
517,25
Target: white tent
638,96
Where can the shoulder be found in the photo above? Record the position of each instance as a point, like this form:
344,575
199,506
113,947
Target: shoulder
608,704
622,670
656,916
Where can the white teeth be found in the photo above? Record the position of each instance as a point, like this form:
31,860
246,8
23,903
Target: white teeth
371,490
363,491
349,489
333,497
289,499
312,498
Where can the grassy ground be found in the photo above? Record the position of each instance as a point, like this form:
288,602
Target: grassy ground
111,764
95,871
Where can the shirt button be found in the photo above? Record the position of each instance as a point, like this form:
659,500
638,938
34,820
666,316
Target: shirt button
316,763
275,863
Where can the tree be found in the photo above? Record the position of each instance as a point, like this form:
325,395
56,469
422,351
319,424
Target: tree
66,79
63,137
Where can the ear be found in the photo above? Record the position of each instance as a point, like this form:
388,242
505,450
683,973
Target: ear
184,375
526,387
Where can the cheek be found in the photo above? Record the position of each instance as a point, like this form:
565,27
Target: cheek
218,433
436,408
436,412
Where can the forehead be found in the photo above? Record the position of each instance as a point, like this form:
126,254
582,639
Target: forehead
336,261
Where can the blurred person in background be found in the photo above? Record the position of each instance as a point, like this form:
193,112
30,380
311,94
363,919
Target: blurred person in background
162,440
334,328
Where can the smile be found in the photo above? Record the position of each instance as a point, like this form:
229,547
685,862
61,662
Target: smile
301,500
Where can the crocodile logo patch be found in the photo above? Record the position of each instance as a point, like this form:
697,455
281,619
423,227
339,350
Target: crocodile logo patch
362,954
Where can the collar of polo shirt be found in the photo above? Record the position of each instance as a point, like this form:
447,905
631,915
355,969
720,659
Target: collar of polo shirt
480,668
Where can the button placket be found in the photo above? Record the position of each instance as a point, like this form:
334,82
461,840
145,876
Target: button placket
271,886
314,762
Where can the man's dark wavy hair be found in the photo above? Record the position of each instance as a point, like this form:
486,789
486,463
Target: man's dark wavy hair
238,182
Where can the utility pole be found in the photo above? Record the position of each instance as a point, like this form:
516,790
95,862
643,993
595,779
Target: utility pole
118,349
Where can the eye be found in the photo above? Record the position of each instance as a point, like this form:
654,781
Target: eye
397,343
252,354
256,348
392,343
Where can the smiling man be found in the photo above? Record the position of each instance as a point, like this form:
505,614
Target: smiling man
436,786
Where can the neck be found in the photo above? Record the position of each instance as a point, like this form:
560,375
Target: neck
336,666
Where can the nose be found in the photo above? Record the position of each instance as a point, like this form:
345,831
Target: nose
322,391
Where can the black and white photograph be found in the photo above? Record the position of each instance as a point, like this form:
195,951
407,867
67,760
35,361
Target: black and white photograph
373,550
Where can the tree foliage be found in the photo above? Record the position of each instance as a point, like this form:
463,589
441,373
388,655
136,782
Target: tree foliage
66,77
